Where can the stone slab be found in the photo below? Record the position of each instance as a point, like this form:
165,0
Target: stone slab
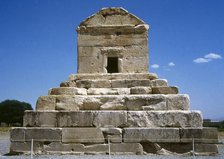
131,135
82,135
126,148
43,118
75,118
201,135
110,119
46,103
124,83
36,133
58,147
178,102
68,91
164,119
141,90
159,83
108,91
165,90
93,84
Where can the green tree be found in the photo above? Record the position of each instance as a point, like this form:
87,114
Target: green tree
12,111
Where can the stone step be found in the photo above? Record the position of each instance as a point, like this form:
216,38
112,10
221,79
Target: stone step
95,140
117,83
113,76
114,102
112,119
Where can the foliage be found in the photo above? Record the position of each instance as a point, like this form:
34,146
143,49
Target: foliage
12,111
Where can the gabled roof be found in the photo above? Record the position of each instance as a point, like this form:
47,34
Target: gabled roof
112,17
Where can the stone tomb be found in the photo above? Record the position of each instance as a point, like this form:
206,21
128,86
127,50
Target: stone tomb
113,101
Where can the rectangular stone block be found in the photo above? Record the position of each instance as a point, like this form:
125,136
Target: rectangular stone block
93,83
96,149
67,91
129,83
36,133
110,119
165,90
202,135
58,147
164,119
141,90
206,149
159,83
151,135
146,102
17,147
178,102
82,135
126,148
108,91
66,102
75,119
46,103
46,118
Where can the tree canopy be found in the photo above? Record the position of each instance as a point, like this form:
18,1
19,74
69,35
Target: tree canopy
12,111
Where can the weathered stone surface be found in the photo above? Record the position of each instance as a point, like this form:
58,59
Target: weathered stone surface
46,103
96,149
178,102
110,118
63,148
159,83
126,148
151,135
108,91
164,119
67,91
93,84
82,135
75,119
44,118
141,90
36,133
17,147
145,102
206,148
112,134
202,135
112,131
114,76
69,102
114,104
129,83
165,90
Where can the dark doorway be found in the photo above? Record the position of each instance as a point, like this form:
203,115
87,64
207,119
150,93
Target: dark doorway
112,65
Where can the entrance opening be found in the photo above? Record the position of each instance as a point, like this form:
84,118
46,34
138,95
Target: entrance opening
112,64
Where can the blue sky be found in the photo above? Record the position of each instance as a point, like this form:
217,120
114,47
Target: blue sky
186,46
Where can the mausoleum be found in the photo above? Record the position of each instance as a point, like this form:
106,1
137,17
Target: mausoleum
113,105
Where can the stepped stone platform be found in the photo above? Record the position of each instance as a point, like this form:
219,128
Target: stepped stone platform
113,105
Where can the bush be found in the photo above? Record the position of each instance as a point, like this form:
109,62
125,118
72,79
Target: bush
12,111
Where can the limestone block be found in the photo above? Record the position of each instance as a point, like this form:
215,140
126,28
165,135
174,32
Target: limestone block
135,64
129,83
110,118
159,83
165,90
206,148
91,103
146,102
178,102
164,119
66,102
126,148
113,134
114,104
108,91
75,118
114,76
82,135
151,135
202,135
55,147
90,64
141,90
93,84
46,103
96,149
68,91
67,84
17,147
39,118
37,134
